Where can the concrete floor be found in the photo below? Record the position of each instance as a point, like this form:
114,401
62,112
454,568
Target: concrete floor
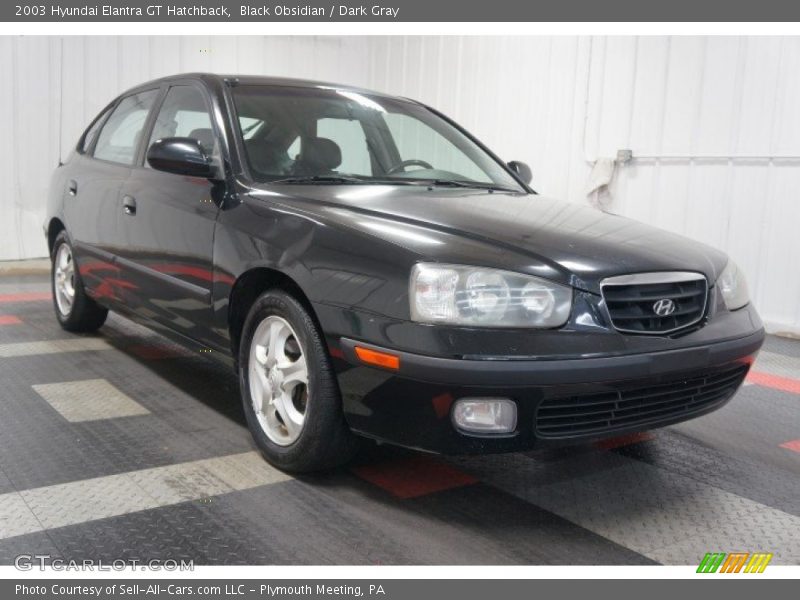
125,446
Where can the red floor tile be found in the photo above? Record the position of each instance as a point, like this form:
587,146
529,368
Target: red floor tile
793,445
25,297
9,320
784,384
414,476
625,440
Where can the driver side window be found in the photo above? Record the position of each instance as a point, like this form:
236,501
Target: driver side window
184,113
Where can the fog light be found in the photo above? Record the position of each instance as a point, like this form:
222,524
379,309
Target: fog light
485,415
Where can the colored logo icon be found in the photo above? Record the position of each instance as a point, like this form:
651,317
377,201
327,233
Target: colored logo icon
735,562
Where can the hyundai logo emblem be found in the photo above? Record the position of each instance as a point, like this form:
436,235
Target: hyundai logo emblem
664,307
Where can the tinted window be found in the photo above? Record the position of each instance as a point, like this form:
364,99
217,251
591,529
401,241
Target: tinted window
184,113
318,133
119,138
416,141
250,127
350,138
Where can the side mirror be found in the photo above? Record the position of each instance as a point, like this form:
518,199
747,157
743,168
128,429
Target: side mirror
182,156
522,170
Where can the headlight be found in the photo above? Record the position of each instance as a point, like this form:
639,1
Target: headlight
481,297
733,287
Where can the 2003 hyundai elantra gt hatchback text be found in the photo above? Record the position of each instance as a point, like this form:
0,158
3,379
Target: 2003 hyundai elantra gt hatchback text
371,269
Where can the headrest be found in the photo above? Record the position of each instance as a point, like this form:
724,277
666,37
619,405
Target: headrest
206,138
320,153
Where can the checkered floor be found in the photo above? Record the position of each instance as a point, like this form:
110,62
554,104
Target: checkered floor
125,446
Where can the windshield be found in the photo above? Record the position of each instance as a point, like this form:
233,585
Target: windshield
323,135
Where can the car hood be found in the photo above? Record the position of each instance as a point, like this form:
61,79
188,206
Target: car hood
580,242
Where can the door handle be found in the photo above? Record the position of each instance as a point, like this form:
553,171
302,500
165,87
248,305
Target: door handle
72,187
129,205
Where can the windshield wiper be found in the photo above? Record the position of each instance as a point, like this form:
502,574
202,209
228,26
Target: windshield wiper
346,179
320,179
475,185
334,179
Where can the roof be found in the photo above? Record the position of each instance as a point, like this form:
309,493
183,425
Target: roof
260,80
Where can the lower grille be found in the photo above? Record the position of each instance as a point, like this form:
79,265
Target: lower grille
600,412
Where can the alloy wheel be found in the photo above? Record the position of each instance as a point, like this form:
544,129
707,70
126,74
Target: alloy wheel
64,279
278,375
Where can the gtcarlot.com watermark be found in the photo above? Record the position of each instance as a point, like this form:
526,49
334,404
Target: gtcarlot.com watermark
30,562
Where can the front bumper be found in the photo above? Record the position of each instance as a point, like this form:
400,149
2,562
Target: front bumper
601,395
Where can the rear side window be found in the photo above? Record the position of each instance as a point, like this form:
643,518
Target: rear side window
119,138
91,133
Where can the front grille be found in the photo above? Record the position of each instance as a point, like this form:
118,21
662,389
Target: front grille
601,412
633,301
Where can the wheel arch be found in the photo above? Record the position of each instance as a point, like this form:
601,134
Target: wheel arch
54,227
248,287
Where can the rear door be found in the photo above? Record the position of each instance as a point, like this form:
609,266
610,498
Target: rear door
167,227
92,202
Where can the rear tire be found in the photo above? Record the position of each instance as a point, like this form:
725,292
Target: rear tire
75,311
289,391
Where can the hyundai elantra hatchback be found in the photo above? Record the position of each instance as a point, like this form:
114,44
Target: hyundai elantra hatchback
371,269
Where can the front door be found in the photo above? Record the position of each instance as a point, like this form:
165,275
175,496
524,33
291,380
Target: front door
167,225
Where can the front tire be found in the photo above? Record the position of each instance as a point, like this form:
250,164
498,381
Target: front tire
75,311
289,392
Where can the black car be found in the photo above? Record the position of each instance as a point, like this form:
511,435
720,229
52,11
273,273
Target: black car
371,269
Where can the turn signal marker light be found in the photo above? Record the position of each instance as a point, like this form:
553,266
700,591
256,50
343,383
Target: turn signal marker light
379,359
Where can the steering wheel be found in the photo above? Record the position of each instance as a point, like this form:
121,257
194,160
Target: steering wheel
409,163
